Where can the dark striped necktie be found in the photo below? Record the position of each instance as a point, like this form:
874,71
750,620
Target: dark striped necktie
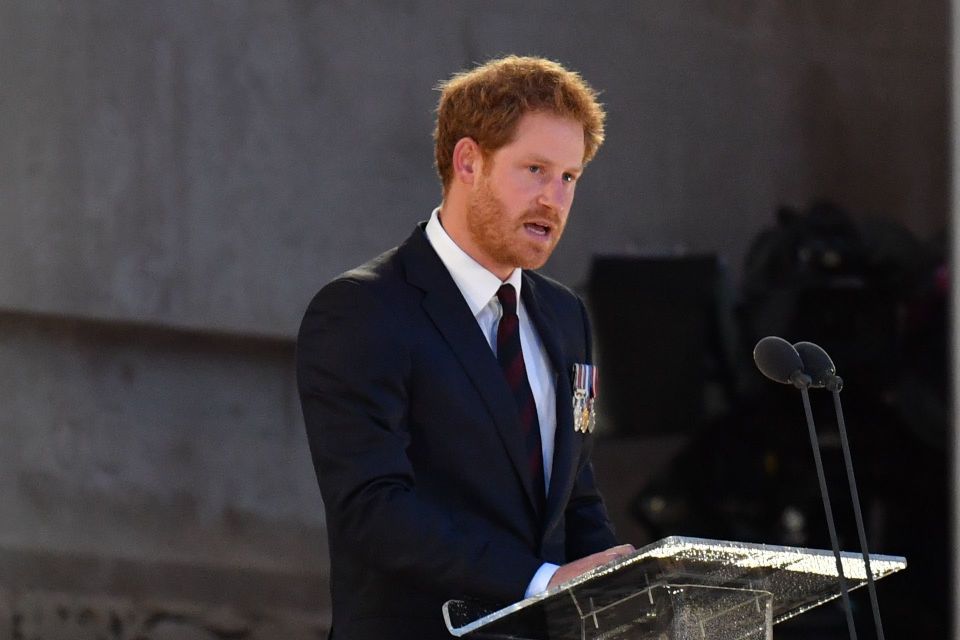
510,355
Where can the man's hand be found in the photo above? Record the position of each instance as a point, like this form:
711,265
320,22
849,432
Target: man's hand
573,569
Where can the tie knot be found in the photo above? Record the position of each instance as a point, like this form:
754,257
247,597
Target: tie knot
508,299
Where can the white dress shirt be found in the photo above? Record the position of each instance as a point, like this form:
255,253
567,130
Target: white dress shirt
479,288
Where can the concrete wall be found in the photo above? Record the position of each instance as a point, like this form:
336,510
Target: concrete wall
177,178
209,164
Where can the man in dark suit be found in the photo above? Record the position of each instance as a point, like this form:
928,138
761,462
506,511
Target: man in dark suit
437,380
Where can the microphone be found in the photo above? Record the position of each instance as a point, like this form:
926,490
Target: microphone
780,361
820,366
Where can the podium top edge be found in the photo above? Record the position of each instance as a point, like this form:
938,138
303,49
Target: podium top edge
756,546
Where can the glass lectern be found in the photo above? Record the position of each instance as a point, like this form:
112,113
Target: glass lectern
676,589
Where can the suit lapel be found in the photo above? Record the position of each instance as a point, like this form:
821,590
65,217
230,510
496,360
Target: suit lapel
565,442
447,309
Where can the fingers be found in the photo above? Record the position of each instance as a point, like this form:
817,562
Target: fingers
613,553
576,568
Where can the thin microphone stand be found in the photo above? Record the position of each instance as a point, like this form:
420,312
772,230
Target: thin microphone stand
835,386
831,527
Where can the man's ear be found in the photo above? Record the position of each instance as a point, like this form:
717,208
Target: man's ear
467,160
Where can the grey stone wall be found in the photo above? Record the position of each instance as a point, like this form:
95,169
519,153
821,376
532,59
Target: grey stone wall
69,616
134,439
178,177
209,164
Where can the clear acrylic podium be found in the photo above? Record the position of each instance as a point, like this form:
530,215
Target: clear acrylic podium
676,589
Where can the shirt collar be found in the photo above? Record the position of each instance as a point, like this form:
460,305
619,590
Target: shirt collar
476,284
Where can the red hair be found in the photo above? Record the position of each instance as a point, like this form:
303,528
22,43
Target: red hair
486,103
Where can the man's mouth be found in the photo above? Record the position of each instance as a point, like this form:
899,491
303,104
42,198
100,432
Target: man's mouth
537,228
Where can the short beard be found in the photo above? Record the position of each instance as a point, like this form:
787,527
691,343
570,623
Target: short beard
486,220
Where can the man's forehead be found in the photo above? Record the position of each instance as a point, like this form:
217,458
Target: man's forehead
549,138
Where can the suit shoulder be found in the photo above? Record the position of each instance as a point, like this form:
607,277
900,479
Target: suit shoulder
366,295
384,270
373,279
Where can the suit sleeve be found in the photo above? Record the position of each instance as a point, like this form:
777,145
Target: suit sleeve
589,529
353,367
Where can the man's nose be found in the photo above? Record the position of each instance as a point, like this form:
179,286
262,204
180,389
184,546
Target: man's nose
555,195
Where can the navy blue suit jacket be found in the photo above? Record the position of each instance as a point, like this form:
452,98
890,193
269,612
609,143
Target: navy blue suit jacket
417,446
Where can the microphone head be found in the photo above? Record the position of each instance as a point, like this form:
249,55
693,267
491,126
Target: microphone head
777,359
816,363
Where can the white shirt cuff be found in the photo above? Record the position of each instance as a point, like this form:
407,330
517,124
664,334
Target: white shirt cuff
541,579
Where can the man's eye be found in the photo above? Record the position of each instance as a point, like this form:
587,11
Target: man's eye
569,177
535,168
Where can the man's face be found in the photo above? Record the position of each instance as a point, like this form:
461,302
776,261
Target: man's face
519,204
